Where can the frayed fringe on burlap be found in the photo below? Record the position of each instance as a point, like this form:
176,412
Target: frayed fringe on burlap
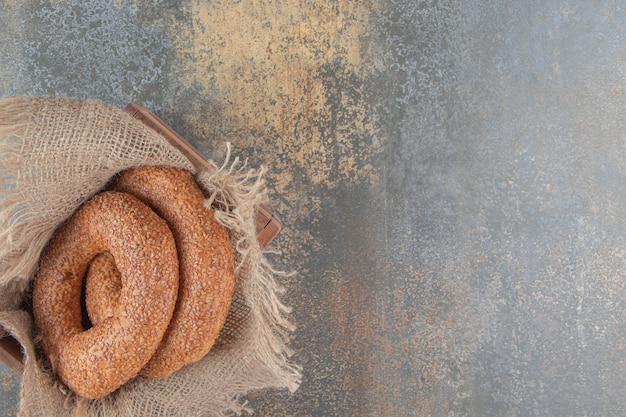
55,154
238,190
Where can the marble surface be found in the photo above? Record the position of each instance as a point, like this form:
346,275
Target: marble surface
450,175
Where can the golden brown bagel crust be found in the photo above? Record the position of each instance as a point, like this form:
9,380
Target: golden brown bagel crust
206,279
95,362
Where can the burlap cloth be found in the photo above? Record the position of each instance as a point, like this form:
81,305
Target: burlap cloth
55,153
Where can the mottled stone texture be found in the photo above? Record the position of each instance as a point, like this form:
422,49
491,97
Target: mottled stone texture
450,175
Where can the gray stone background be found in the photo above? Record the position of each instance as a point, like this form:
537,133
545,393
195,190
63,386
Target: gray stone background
450,175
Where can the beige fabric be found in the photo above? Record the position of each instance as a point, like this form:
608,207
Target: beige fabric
55,153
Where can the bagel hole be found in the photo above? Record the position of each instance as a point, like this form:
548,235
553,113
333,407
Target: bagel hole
86,323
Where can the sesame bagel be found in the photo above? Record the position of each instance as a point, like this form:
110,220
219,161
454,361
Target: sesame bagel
95,362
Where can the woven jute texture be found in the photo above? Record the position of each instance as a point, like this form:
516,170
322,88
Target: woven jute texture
55,153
